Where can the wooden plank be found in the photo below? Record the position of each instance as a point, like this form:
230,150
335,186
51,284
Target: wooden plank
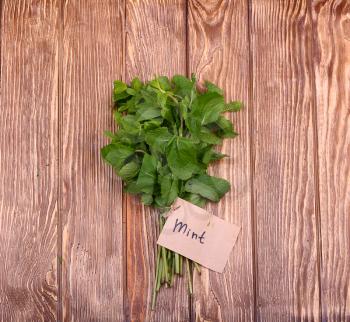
219,52
332,78
28,161
91,197
155,45
284,171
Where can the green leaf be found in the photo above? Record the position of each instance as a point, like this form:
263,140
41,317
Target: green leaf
201,133
163,170
116,154
161,82
207,107
131,91
233,106
129,104
109,134
147,199
209,187
127,138
168,190
167,114
147,176
132,188
194,126
183,86
208,137
212,88
129,171
184,107
128,123
147,113
136,84
211,155
195,199
119,87
182,158
226,127
158,138
119,91
162,99
164,83
152,124
167,131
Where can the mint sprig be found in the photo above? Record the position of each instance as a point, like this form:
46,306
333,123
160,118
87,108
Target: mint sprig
166,137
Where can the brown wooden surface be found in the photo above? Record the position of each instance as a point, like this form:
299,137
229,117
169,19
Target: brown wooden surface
90,194
283,162
219,52
73,248
28,161
332,78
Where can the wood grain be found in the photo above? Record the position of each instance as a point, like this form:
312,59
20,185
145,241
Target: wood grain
332,78
284,172
219,52
91,197
28,161
155,45
69,251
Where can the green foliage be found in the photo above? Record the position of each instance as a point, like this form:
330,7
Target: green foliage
167,131
208,187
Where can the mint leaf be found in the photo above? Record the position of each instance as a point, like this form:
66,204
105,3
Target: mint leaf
183,86
209,137
212,88
136,84
147,113
209,187
211,155
158,139
234,106
182,158
168,190
132,187
196,199
152,124
119,87
147,199
116,154
147,176
226,127
119,91
167,131
128,123
167,114
129,171
109,134
207,107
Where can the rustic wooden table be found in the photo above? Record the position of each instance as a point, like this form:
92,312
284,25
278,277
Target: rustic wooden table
74,248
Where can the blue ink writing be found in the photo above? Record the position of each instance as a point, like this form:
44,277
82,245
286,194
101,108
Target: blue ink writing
181,227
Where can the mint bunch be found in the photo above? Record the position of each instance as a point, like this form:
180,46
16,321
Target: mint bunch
167,131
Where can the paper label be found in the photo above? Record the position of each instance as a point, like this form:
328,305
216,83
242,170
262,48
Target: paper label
196,234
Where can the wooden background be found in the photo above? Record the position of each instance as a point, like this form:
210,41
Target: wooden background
74,248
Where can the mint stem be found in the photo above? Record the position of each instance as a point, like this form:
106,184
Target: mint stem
189,276
197,268
180,264
159,282
156,279
177,264
172,272
165,264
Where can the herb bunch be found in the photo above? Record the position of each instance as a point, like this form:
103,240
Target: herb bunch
167,131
